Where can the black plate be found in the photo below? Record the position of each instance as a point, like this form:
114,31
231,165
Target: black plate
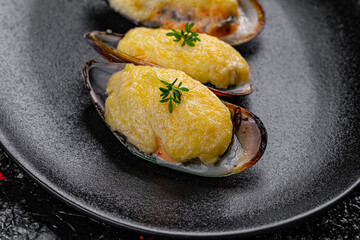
305,71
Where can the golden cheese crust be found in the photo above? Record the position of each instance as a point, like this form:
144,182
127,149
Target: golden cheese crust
142,10
216,17
200,126
210,61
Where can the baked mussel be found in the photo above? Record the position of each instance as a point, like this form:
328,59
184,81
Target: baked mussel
210,61
247,140
234,21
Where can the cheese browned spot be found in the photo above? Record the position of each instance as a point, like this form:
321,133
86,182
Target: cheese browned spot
210,61
199,127
218,18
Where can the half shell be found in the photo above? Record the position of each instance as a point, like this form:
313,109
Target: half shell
247,146
106,45
233,29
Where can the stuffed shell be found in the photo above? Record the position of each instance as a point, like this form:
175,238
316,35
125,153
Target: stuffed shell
210,61
202,135
236,21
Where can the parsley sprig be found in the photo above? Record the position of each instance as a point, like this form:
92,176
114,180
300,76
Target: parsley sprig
171,93
189,36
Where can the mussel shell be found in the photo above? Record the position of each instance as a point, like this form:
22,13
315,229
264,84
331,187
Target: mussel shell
248,143
106,45
252,20
255,20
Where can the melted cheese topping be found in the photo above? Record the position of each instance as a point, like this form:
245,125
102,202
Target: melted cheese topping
210,61
142,10
200,126
218,18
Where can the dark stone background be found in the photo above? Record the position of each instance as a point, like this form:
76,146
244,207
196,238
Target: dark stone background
29,212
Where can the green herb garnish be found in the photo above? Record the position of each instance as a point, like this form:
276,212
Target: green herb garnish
189,36
171,92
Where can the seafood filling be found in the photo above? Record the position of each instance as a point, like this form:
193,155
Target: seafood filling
198,127
215,17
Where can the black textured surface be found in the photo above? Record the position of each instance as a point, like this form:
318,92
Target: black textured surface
29,212
305,71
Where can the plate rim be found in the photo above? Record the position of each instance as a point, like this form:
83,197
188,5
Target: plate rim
136,228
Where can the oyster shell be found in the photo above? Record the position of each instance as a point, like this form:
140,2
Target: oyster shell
247,146
234,27
106,45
